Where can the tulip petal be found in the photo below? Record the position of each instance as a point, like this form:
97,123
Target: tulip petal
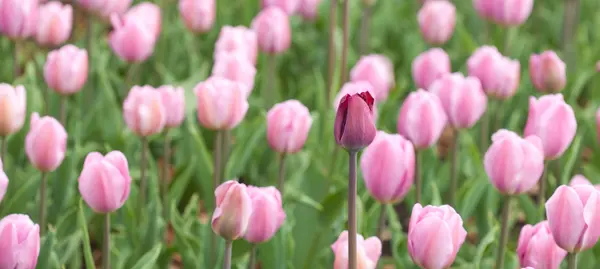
591,215
8,239
565,216
431,243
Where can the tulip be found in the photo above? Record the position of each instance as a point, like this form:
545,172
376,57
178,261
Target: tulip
288,124
309,8
422,119
104,182
233,212
222,103
198,15
547,72
435,234
45,143
144,111
368,252
581,180
378,71
499,75
288,6
537,248
505,12
388,167
18,18
105,8
272,27
131,39
12,103
354,125
351,88
429,66
462,98
436,21
234,39
54,24
3,181
173,100
147,13
235,67
20,242
66,69
267,214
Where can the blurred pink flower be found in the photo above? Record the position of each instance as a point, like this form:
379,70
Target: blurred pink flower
233,210
377,70
537,248
499,75
422,119
462,98
368,251
309,8
272,27
12,106
3,181
45,143
436,21
288,125
505,12
104,182
198,15
20,239
66,69
288,6
222,103
235,66
131,39
547,72
267,214
173,100
18,18
144,111
237,39
54,24
106,8
429,66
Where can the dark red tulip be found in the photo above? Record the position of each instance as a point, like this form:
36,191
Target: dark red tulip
354,125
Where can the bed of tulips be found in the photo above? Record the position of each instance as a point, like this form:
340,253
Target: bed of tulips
274,134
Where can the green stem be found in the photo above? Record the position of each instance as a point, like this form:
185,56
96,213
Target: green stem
484,131
106,249
227,256
42,216
252,263
3,147
542,193
331,61
365,26
381,223
352,262
16,67
454,168
281,177
571,11
165,176
143,179
418,178
218,144
503,233
345,37
269,91
572,260
89,42
63,110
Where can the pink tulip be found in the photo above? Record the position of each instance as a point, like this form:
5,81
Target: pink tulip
18,18
3,181
574,218
288,124
462,98
435,234
144,111
422,119
222,103
237,39
13,103
429,66
46,143
233,211
354,125
104,182
505,12
288,6
388,167
514,164
131,39
436,21
547,72
19,242
582,180
378,71
198,15
173,100
537,247
553,121
54,24
105,8
273,30
368,252
147,13
499,75
267,214
235,67
66,69
308,9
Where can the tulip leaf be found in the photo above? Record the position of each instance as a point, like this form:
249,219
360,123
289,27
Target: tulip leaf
87,249
46,247
148,260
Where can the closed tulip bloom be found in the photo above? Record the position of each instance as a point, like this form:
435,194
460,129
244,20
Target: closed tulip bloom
422,119
233,210
388,167
18,18
514,164
507,79
512,12
288,6
267,214
237,39
149,14
547,72
368,252
173,100
19,241
54,24
499,75
12,108
144,111
573,217
553,121
66,69
378,71
46,143
462,98
354,126
3,181
222,103
105,8
582,180
308,9
288,124
435,234
272,27
537,248
351,88
429,66
131,39
198,15
484,8
104,182
436,21
235,67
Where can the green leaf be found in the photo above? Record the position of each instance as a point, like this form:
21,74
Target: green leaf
87,248
47,245
335,204
149,259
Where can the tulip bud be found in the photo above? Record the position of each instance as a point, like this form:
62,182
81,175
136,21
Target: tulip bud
351,88
394,155
46,143
484,9
66,69
436,21
378,71
537,247
574,218
288,6
18,18
547,72
272,27
308,9
435,234
149,14
499,75
104,182
131,39
553,121
105,8
354,125
54,24
198,15
368,252
235,67
237,39
173,100
462,98
233,211
3,181
267,214
512,13
222,103
12,102
144,111
582,180
429,66
20,239
422,119
288,124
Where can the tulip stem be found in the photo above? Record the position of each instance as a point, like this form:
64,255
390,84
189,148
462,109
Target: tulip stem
331,61
503,232
106,249
3,146
143,180
269,90
542,192
42,216
345,37
572,260
89,36
281,177
418,182
365,26
571,10
381,223
63,110
16,60
454,168
252,262
352,209
218,147
227,256
165,176
485,125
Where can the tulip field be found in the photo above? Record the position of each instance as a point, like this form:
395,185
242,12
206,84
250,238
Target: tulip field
300,134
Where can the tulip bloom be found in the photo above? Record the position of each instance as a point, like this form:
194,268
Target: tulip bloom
147,13
553,121
354,125
435,234
198,15
104,182
462,98
233,211
508,13
3,181
105,8
537,247
235,67
388,167
144,111
222,103
288,124
429,66
573,217
132,40
499,75
272,26
54,24
20,239
12,102
173,100
45,143
368,252
378,71
288,6
351,88
308,9
547,72
237,39
436,21
66,69
422,119
18,18
581,180
267,214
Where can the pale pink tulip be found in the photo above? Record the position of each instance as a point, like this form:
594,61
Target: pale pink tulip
149,14
3,181
222,103
237,39
66,69
288,124
377,70
582,180
272,27
19,242
547,72
267,214
422,119
173,100
288,6
462,98
104,182
429,66
436,21
12,108
505,12
18,18
105,8
308,9
144,111
131,39
198,15
499,75
233,210
45,143
54,24
235,67
368,252
537,247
